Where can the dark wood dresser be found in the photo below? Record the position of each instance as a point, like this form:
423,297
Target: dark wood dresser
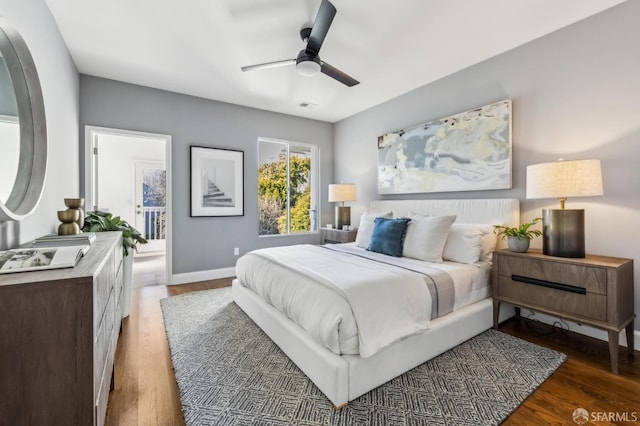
58,334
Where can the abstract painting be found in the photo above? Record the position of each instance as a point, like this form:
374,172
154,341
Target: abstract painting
470,151
217,185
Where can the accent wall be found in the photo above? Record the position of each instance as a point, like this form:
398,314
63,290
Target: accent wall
576,95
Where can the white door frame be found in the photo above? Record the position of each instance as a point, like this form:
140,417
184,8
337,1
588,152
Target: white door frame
90,135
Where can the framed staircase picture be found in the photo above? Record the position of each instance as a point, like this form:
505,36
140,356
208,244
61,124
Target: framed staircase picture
217,182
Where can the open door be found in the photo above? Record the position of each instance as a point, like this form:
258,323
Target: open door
150,204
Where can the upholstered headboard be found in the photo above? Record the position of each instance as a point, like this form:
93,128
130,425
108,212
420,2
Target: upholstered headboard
495,211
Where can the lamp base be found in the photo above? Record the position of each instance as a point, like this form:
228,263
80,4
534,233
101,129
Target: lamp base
563,233
343,216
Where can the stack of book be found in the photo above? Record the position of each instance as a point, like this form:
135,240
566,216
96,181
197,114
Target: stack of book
54,240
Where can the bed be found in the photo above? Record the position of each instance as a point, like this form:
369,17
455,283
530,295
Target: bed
344,368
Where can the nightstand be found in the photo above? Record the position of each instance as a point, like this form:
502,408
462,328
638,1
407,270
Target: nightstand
595,290
337,236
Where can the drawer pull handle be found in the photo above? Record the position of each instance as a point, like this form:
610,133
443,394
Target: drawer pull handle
550,284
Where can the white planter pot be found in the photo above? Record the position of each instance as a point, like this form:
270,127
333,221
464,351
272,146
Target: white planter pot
127,271
518,245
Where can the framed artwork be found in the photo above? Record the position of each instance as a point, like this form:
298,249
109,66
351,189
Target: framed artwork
217,182
470,151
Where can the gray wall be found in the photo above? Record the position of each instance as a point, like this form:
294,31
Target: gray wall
576,95
60,87
205,243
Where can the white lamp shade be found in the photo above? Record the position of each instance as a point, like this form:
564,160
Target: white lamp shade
564,179
342,192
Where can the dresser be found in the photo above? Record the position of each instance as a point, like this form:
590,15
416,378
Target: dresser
595,290
58,335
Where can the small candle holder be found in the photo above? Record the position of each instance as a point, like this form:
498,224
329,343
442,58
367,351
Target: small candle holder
76,204
69,225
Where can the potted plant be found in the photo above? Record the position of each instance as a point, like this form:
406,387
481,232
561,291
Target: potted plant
99,221
518,238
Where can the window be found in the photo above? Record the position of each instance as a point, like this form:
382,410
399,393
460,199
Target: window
287,187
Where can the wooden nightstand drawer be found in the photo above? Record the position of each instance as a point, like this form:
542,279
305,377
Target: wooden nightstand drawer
592,279
589,305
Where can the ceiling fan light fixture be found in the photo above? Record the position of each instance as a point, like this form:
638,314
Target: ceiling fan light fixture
307,64
308,68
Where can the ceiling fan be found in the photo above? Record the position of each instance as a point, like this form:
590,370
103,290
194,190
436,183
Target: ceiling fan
308,63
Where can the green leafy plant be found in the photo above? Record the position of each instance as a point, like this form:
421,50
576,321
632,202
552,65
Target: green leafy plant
521,231
99,221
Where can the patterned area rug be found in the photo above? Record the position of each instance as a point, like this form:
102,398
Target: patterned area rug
230,372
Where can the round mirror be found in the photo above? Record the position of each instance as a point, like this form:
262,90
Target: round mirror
23,133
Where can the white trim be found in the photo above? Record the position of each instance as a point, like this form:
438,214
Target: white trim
211,274
89,134
583,329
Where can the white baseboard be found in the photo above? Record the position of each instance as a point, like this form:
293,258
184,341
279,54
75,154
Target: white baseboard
580,329
191,277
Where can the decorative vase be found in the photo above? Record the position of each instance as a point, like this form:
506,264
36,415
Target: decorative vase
69,225
76,204
518,245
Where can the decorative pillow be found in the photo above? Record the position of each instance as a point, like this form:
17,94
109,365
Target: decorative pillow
470,243
426,237
388,235
464,243
363,237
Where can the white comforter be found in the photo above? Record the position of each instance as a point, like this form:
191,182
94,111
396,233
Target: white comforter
369,303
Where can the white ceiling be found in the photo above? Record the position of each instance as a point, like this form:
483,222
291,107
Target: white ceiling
197,47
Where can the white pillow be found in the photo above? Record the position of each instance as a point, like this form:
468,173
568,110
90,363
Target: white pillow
363,237
489,241
469,243
426,237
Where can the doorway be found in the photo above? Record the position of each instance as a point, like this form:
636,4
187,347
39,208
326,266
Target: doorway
128,174
150,204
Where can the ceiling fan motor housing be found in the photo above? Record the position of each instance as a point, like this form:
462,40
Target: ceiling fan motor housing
305,32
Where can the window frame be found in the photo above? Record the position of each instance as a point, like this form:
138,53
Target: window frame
314,175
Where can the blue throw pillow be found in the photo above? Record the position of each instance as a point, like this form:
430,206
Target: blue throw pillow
388,236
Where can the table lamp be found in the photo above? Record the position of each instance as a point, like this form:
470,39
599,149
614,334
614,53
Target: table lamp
563,229
340,193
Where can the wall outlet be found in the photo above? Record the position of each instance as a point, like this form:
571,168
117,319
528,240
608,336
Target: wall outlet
236,251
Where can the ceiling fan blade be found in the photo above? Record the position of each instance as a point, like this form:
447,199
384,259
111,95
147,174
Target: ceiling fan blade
321,25
266,65
335,73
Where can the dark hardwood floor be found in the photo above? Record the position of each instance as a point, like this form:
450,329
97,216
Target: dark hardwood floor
146,392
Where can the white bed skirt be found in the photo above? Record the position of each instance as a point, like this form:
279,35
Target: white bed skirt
344,378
